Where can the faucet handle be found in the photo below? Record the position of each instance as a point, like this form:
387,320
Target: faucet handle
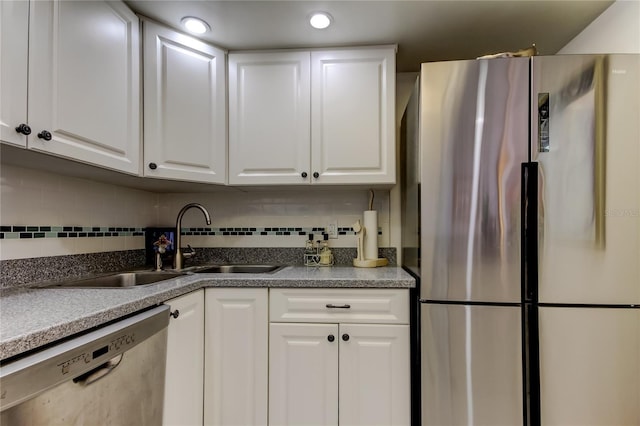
188,254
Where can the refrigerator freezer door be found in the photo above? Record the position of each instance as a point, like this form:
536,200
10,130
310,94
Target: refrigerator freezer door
589,366
589,177
473,139
471,365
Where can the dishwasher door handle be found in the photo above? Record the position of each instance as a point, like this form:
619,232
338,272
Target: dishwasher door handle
99,372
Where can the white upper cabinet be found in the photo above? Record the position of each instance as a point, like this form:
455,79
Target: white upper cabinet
353,115
185,135
321,117
84,82
14,41
269,118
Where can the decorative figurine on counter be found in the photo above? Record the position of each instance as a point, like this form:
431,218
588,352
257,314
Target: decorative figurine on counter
160,248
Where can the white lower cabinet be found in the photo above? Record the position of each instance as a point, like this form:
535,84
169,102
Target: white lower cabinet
185,361
328,357
347,373
236,350
374,374
303,374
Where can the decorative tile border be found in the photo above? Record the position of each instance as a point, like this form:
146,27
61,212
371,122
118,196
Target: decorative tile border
266,231
27,232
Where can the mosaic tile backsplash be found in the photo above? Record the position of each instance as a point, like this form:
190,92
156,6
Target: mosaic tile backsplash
26,232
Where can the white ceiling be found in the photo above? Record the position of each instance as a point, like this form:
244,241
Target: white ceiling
424,30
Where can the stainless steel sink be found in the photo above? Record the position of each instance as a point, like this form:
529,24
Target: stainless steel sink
119,280
235,269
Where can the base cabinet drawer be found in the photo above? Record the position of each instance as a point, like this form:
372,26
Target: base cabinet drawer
371,306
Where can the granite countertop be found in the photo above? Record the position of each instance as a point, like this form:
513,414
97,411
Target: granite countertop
33,317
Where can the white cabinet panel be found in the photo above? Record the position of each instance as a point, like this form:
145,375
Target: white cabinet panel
589,366
84,82
353,115
14,40
374,375
269,118
185,107
236,356
320,117
303,374
185,361
341,373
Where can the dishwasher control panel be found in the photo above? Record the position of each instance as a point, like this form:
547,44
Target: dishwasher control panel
26,377
95,355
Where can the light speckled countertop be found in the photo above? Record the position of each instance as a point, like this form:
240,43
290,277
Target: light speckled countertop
33,317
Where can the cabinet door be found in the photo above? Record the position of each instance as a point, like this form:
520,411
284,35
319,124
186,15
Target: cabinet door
14,40
269,101
353,116
84,82
184,107
236,364
303,374
374,375
185,361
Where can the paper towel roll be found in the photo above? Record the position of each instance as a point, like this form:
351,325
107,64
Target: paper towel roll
371,234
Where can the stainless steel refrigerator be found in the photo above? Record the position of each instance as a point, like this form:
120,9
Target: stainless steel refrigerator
521,221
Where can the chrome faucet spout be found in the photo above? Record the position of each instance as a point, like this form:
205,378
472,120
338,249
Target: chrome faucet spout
178,260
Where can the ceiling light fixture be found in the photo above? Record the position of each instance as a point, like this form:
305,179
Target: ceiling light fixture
195,25
320,20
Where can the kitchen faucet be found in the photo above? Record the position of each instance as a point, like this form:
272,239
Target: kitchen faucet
179,257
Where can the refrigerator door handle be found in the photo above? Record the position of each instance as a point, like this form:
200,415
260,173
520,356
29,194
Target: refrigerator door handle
530,345
529,211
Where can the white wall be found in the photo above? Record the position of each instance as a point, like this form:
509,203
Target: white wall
291,207
36,198
616,30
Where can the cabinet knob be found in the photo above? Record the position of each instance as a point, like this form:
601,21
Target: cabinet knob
331,338
316,175
175,314
45,134
304,174
24,129
345,337
153,166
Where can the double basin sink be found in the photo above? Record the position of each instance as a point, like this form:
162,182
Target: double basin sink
142,278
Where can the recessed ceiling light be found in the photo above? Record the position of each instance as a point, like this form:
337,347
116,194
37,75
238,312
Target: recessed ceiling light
320,20
195,25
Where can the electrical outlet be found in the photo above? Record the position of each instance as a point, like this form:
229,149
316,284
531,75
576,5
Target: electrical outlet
332,228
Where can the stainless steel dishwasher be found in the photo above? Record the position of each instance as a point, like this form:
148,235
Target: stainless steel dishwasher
113,375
